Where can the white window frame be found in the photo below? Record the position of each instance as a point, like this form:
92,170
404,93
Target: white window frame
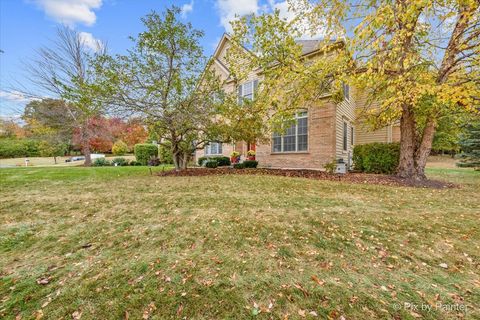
241,91
208,149
299,115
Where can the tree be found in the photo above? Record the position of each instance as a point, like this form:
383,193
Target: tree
470,145
52,148
119,148
417,61
134,133
64,70
163,79
11,129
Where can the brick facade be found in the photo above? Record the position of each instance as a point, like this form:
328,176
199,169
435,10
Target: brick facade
321,143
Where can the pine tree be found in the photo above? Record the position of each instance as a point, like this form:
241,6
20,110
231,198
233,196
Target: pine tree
470,145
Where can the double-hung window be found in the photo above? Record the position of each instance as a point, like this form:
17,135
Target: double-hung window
213,148
295,138
247,90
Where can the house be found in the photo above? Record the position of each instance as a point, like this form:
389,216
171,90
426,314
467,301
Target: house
324,132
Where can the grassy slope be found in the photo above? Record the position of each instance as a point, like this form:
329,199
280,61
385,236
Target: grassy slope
229,247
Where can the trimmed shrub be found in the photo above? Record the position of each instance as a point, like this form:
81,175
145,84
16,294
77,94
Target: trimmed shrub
211,163
120,162
250,163
201,161
135,163
119,148
101,162
154,161
239,165
165,154
16,148
144,151
376,157
221,160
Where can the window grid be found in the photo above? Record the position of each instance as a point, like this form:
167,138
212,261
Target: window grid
295,138
213,148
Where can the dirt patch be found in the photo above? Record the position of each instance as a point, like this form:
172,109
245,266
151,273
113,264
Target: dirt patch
362,178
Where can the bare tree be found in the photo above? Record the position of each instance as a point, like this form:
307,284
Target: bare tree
64,70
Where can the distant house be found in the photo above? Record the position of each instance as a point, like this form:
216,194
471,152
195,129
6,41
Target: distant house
321,133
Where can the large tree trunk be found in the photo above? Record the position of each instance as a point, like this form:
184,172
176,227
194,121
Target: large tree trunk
423,150
88,155
185,158
406,165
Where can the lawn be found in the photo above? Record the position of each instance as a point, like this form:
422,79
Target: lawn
118,243
50,161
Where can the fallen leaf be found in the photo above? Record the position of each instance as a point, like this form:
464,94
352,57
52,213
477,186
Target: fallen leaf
317,280
43,281
77,315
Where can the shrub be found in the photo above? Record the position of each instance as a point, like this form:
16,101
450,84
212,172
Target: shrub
101,162
119,148
135,163
331,166
201,161
376,157
250,163
16,148
154,161
239,165
221,160
251,153
211,163
165,154
120,162
144,151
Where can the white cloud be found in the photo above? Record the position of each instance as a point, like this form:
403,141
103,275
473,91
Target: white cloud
70,12
15,96
302,24
90,41
229,9
186,9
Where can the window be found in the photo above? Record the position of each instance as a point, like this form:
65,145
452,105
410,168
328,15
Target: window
247,91
351,135
345,136
346,91
213,148
295,138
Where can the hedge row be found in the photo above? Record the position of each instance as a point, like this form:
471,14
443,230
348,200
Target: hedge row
16,148
376,157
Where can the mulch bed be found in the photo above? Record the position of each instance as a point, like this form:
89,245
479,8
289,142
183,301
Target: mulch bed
362,178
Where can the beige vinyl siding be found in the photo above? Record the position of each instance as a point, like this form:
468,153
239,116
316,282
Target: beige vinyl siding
345,112
363,133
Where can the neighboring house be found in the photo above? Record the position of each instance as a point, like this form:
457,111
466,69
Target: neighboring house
322,133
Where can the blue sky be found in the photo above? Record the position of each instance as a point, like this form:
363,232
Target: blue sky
26,25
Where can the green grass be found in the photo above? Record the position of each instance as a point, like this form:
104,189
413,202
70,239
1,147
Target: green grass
115,241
